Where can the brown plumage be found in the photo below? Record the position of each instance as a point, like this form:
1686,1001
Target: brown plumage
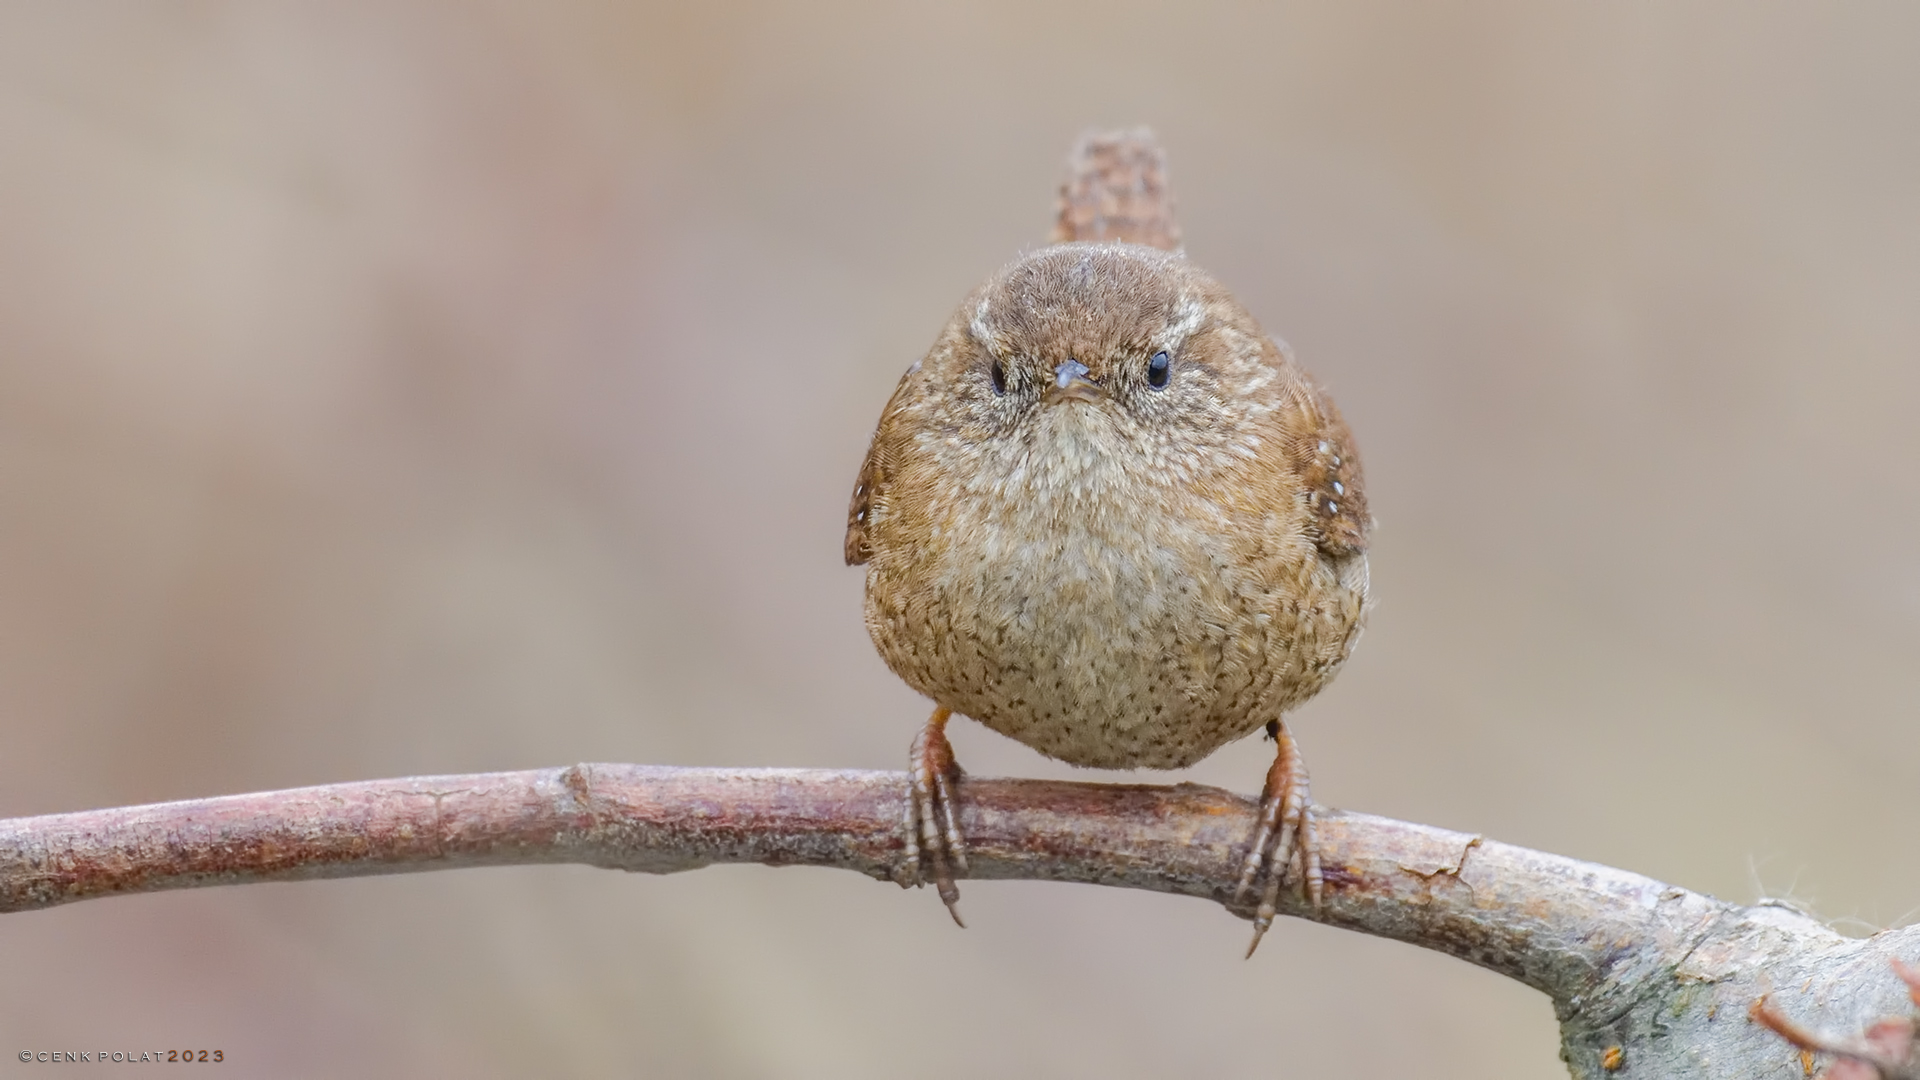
1108,516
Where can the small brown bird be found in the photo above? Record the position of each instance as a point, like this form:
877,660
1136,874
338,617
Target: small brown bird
1108,516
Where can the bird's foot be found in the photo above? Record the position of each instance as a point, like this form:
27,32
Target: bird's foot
933,834
1283,846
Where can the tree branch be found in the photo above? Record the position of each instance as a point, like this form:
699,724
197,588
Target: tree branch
1644,976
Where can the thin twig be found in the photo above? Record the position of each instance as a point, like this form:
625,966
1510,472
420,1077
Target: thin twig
1499,906
1885,1051
1643,975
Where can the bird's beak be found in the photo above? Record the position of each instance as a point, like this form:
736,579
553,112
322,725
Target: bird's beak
1070,383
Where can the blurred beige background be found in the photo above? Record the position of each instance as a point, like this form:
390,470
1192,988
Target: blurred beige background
404,388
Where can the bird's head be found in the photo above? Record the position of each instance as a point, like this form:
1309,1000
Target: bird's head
1084,362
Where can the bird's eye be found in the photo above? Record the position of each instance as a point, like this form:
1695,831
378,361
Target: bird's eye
999,375
1158,369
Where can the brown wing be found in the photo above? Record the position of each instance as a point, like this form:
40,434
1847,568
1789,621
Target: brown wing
870,480
871,485
1327,463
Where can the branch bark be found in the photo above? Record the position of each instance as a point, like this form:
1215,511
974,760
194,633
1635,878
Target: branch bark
1649,980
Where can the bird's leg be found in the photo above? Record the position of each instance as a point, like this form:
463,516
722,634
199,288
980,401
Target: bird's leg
1283,845
930,815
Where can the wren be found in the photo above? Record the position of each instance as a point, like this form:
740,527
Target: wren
1108,516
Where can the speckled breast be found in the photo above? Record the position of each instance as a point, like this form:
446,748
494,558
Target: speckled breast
1114,636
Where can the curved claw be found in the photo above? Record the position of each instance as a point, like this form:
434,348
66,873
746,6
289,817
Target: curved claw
1283,847
931,824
